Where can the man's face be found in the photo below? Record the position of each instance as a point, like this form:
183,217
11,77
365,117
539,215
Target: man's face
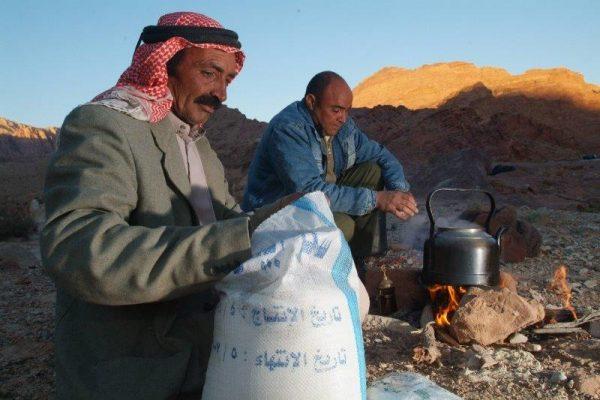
330,111
199,84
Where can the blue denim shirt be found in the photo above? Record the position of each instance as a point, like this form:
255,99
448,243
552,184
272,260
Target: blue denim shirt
291,157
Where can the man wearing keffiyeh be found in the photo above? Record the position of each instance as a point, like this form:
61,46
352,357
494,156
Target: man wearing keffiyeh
140,222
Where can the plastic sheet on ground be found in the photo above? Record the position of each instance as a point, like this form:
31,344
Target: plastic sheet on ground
407,386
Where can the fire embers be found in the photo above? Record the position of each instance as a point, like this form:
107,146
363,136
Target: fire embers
445,300
561,287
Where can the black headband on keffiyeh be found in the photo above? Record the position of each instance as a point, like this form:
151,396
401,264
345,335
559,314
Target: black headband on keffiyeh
194,34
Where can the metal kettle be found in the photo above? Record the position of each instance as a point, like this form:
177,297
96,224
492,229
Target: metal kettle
462,256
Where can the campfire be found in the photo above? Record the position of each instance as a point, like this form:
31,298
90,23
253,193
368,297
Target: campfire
490,315
445,300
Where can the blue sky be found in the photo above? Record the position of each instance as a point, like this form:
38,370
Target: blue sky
61,53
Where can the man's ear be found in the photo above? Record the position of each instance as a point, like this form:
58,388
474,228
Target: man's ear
310,101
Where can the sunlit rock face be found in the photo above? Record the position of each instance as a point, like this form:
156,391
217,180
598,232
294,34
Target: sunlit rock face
431,86
19,142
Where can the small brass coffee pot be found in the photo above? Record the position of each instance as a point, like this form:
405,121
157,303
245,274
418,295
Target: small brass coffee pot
386,296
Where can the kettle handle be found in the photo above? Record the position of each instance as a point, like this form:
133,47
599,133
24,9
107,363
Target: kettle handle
499,234
430,213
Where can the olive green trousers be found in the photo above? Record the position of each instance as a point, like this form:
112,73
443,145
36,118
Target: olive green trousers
364,233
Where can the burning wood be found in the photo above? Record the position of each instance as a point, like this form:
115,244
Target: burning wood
560,286
428,352
446,300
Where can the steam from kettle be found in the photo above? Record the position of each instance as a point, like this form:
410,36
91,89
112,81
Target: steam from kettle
415,231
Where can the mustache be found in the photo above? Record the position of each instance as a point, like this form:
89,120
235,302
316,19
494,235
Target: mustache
209,100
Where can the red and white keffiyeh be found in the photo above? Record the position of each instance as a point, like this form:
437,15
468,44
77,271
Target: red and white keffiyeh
142,91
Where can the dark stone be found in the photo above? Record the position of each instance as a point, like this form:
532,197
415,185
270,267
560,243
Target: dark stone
499,169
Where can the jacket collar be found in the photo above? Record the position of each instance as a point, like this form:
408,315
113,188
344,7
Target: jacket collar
305,114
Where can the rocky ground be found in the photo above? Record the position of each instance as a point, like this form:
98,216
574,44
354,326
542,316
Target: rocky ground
559,367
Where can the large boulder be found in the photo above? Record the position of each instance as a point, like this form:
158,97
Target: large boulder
491,316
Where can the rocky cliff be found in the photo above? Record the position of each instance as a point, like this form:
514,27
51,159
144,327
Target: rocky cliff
19,142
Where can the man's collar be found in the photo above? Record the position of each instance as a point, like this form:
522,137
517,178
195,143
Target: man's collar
183,129
306,115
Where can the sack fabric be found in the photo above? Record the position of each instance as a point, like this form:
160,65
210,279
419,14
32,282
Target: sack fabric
288,324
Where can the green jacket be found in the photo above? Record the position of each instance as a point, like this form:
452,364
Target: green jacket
133,271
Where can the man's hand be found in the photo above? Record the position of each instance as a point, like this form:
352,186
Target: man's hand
261,214
401,204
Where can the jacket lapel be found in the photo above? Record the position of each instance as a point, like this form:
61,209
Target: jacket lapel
172,161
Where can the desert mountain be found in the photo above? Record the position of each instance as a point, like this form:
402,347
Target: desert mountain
23,142
453,124
530,139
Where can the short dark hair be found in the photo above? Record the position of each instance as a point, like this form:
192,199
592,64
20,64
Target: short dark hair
174,62
316,86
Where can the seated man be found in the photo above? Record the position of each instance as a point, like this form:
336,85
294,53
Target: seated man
313,145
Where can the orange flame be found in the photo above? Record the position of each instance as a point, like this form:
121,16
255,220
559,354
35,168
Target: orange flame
560,285
448,299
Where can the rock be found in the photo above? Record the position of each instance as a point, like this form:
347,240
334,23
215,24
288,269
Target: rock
534,347
521,240
492,316
507,281
517,338
23,142
591,283
488,361
594,329
588,384
396,326
478,358
16,255
472,360
558,377
517,360
410,294
480,349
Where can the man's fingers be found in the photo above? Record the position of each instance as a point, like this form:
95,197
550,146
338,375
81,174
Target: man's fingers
407,206
401,215
406,200
404,211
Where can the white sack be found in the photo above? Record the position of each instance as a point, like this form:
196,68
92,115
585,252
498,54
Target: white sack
287,326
